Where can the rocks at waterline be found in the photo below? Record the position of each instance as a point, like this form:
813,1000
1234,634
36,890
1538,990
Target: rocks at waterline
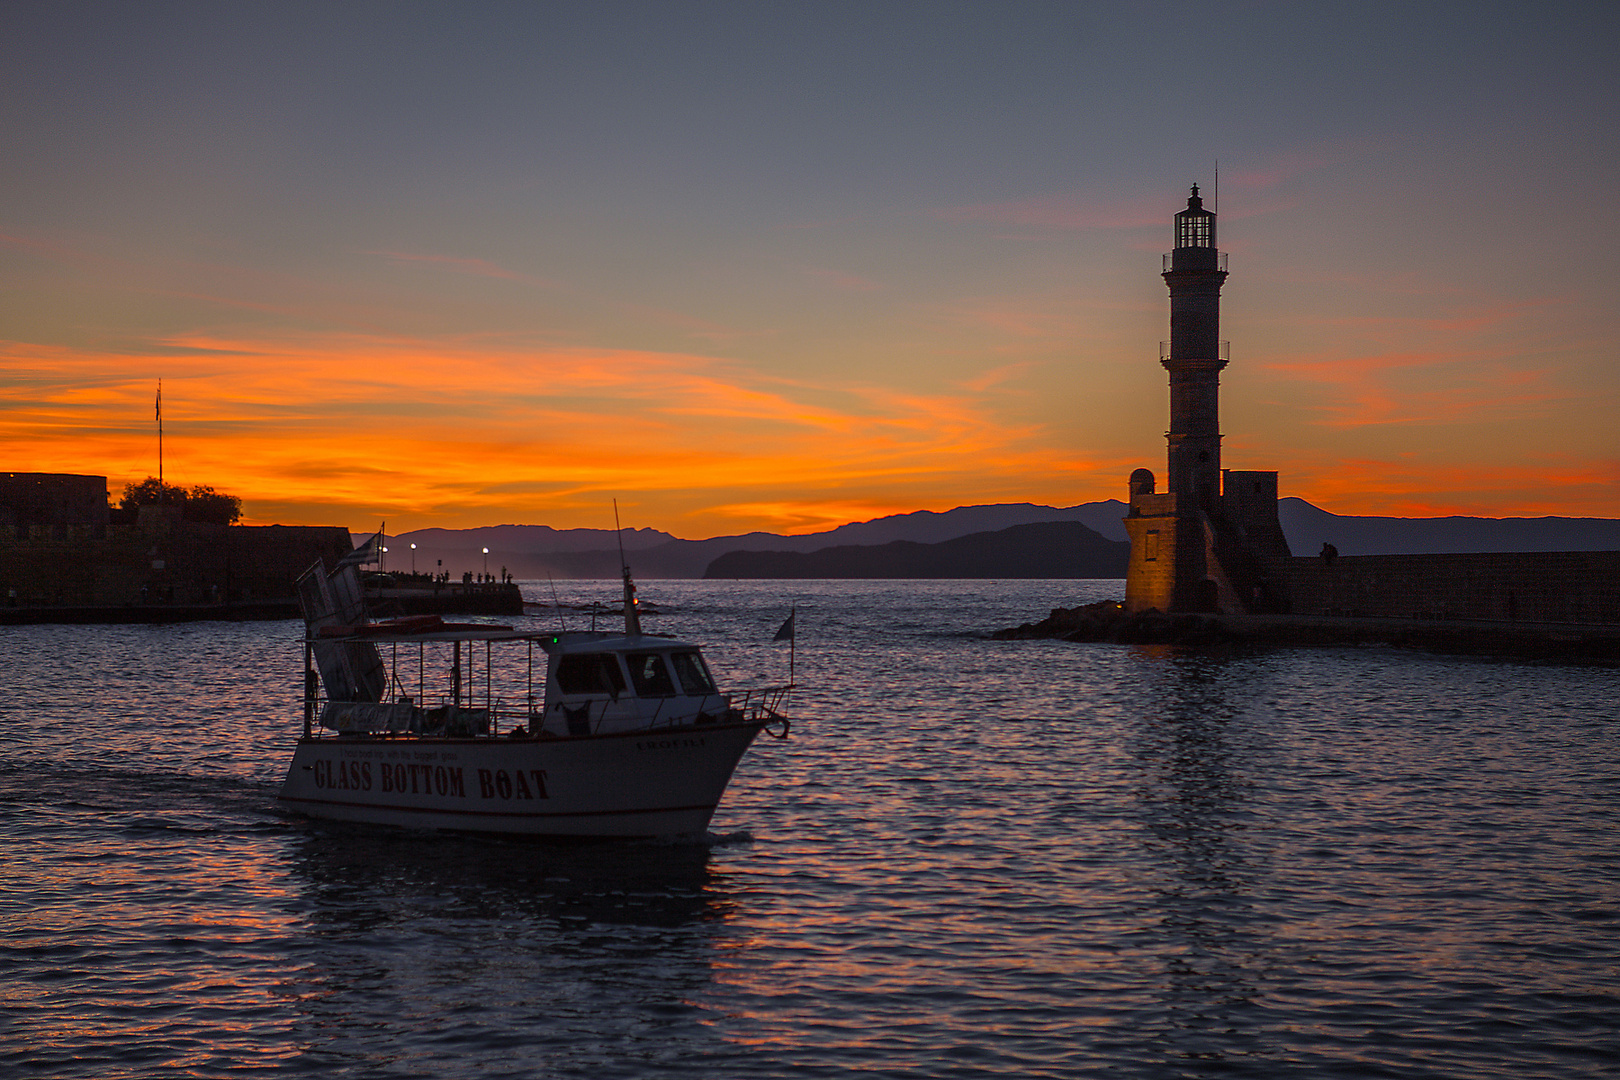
1107,620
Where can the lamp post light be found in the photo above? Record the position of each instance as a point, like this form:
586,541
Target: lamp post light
486,564
413,560
382,563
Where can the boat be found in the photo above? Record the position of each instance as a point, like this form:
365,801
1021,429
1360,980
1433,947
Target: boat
623,734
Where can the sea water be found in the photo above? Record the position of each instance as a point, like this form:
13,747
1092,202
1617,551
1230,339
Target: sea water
972,858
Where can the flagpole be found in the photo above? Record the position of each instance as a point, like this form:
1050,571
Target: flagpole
790,630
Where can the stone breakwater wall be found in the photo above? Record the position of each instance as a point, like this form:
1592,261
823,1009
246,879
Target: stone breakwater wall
165,561
1536,586
452,598
1109,622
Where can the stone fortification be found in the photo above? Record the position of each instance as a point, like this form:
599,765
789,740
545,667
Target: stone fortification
60,546
162,560
52,506
1536,586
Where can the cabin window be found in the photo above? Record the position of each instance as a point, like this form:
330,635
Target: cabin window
649,675
692,672
590,673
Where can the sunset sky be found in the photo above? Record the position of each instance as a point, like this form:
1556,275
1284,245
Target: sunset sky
784,266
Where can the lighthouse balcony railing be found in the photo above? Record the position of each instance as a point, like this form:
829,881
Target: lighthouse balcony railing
1220,261
1223,352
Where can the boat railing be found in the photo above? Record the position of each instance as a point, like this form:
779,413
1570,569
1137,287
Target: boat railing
406,717
761,703
766,705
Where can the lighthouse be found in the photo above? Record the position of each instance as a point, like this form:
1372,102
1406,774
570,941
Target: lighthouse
1194,356
1201,544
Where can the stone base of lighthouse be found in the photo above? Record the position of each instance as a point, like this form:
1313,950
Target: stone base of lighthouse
1209,558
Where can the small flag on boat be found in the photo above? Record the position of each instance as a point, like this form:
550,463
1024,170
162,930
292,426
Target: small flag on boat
786,632
365,553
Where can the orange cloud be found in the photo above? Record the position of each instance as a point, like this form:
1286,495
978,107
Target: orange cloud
1408,487
1400,388
794,517
349,427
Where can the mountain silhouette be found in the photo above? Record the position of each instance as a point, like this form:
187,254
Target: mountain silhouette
539,551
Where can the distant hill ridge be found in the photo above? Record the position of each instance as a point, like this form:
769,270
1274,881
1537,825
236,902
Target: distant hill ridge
1308,527
536,551
1043,549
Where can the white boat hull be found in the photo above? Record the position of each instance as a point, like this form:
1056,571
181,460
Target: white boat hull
636,784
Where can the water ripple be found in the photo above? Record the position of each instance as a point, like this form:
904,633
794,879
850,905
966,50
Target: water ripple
972,859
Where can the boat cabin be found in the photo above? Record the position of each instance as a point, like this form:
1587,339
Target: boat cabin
594,682
597,684
388,679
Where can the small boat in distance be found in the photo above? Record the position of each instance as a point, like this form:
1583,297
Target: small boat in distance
624,734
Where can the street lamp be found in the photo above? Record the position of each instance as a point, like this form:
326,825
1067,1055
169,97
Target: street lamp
382,563
486,564
413,560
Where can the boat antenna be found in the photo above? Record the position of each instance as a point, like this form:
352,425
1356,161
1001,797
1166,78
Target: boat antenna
159,407
632,617
556,603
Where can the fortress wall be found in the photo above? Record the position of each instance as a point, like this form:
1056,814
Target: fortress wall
268,559
164,561
52,505
1553,586
1249,503
48,570
1150,577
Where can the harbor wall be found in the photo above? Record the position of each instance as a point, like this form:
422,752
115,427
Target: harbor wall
388,599
1536,586
52,505
162,560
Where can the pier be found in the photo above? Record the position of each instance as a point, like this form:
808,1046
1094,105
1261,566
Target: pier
1108,621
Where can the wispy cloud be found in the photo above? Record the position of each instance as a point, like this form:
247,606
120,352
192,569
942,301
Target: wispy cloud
1453,366
400,427
1065,210
1285,166
1403,388
999,377
463,265
1407,486
1015,318
838,279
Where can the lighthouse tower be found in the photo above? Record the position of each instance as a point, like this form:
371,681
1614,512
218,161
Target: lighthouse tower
1194,356
1195,546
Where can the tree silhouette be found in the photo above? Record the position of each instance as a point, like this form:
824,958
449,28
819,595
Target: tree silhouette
151,492
201,504
212,507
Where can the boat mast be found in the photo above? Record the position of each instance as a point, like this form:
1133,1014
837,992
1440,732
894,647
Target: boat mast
632,617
